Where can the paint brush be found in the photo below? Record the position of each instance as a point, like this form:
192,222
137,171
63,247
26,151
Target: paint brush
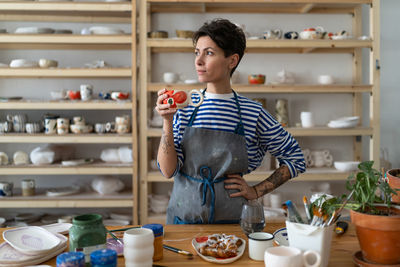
116,238
177,250
305,202
341,207
124,229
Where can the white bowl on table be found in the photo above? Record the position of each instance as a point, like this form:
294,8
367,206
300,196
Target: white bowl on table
346,166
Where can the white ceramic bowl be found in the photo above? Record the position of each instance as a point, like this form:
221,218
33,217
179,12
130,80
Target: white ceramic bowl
346,166
23,63
48,63
79,129
105,30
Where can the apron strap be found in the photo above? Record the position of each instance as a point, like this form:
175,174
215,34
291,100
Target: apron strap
208,182
239,126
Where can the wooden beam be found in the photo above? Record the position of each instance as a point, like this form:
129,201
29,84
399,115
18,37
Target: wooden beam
306,8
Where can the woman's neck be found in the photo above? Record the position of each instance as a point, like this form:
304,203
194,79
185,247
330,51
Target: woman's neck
220,87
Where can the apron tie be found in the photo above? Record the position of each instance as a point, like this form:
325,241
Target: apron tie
208,182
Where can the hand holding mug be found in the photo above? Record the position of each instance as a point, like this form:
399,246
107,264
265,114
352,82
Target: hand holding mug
180,99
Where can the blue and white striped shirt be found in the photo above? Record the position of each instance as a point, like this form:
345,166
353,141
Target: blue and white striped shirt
262,132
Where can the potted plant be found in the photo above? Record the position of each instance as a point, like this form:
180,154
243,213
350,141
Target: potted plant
376,219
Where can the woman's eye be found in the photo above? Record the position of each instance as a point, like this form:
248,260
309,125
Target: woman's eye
196,53
209,53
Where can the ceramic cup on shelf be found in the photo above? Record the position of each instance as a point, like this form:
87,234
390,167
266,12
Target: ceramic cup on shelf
62,125
170,77
138,247
325,79
100,127
6,189
79,120
50,125
306,118
86,91
28,187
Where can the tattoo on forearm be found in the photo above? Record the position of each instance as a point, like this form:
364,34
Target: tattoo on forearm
165,143
279,177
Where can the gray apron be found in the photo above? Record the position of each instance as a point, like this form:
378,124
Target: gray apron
199,194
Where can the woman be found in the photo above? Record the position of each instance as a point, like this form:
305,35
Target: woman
208,149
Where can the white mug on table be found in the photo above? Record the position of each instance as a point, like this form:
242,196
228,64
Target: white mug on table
258,243
290,257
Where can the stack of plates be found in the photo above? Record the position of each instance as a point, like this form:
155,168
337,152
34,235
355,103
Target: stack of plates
105,30
345,122
33,30
30,245
23,63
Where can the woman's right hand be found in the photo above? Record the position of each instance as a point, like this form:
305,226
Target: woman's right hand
165,110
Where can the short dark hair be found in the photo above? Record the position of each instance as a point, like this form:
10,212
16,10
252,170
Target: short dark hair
226,35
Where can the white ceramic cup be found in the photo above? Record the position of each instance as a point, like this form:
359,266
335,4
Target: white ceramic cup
28,187
100,127
170,77
138,247
325,79
86,91
258,243
290,257
6,189
79,120
50,126
122,120
62,125
307,120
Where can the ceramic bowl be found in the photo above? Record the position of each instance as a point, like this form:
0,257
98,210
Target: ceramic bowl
74,95
23,63
158,34
58,95
346,166
105,95
184,34
33,30
105,30
48,63
256,79
80,129
119,95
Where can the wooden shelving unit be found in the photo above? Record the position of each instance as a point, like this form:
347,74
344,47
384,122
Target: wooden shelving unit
148,47
82,12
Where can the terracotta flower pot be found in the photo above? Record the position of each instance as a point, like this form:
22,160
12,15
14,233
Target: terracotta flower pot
379,236
393,176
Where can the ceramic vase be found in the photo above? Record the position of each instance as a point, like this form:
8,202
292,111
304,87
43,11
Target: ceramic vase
281,111
138,247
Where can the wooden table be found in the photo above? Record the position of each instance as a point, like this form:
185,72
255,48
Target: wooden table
180,236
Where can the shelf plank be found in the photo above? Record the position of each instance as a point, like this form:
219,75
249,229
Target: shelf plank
312,174
58,169
66,6
65,73
161,45
64,41
256,6
82,200
273,88
298,131
66,105
67,138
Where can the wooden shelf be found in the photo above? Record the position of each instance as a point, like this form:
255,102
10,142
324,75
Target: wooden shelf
82,200
256,6
67,138
58,169
65,41
276,88
298,131
119,12
66,105
312,174
163,45
65,73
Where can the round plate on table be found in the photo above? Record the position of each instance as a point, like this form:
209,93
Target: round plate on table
281,237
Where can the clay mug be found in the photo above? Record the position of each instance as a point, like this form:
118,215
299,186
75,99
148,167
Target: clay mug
138,247
258,243
110,127
79,120
180,99
291,35
50,125
28,187
125,120
283,256
74,95
170,77
272,34
100,127
122,128
6,189
86,91
62,125
18,122
306,118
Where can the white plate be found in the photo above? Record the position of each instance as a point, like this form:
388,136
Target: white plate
62,191
281,237
58,228
31,240
115,222
23,63
196,246
342,124
76,162
33,30
105,30
11,257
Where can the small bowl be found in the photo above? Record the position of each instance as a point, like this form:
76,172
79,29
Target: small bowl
119,95
346,166
74,95
256,79
105,95
48,63
58,95
184,34
80,129
158,34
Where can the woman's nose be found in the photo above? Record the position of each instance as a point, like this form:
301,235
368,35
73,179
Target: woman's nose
199,60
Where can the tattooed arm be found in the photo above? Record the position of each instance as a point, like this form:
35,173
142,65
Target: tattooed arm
166,157
277,178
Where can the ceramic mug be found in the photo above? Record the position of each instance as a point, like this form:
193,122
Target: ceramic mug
110,127
50,125
86,91
272,34
122,128
62,125
33,127
325,79
28,187
258,243
306,118
180,99
100,127
291,35
170,77
138,247
290,257
122,120
6,189
6,127
74,95
79,120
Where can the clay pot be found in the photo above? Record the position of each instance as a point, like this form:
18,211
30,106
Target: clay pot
393,176
256,79
378,236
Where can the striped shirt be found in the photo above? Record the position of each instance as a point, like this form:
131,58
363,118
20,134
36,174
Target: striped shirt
262,132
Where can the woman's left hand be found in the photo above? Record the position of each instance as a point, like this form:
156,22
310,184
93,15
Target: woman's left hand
236,181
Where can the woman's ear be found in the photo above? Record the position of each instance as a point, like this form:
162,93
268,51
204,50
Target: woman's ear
234,60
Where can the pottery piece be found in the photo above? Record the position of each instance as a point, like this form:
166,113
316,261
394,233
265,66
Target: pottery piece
110,155
325,79
119,95
20,158
107,185
344,122
312,33
100,127
62,125
272,34
6,127
62,191
50,125
105,95
33,30
3,158
33,127
80,129
125,154
291,35
63,31
18,122
393,177
48,63
105,30
157,34
138,247
281,112
6,189
28,187
43,155
97,64
58,95
23,63
256,79
346,166
170,77
78,120
285,77
86,91
180,99
306,118
74,95
184,34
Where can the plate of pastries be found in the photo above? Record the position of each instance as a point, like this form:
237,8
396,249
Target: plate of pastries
219,248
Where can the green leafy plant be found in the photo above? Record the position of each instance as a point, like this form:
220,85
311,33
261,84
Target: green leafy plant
369,188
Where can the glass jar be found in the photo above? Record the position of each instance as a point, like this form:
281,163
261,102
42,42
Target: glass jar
158,231
87,234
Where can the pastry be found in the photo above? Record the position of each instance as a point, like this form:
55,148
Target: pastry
221,246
